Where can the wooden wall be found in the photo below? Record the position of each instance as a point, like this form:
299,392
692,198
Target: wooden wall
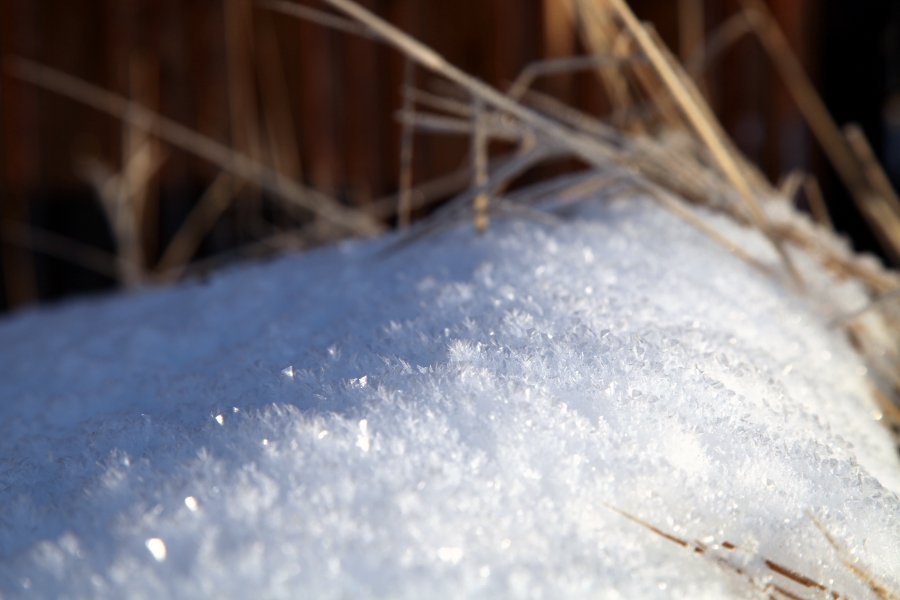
217,65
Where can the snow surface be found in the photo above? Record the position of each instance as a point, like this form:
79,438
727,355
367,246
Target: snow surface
464,417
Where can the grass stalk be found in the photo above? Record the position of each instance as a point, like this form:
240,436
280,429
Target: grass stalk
186,241
189,140
699,119
816,202
404,206
479,153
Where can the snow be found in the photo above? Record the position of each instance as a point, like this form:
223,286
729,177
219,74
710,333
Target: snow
527,414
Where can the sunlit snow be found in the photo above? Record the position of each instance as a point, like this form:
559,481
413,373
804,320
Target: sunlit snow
608,407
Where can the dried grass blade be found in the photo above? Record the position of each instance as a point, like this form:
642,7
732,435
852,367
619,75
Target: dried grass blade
448,105
61,247
684,213
790,185
805,96
479,165
195,143
120,196
720,40
879,588
871,274
872,169
452,126
277,116
431,191
293,239
816,201
460,207
505,173
568,64
404,205
579,144
697,116
600,33
873,305
214,201
319,17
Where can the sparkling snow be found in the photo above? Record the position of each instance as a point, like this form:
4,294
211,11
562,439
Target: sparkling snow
609,407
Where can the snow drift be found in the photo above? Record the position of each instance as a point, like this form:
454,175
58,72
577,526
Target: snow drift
611,406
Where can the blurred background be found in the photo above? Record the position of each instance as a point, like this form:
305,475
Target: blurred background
318,105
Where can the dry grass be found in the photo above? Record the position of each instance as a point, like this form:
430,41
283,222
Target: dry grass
782,581
404,207
228,159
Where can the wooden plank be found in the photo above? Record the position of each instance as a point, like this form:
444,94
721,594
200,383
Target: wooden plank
19,168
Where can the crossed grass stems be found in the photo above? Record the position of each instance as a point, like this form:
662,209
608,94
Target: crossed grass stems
774,579
661,141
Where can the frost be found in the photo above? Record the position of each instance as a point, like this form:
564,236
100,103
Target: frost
607,407
452,555
157,548
362,440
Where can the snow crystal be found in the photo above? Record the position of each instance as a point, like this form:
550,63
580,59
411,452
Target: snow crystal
612,406
157,548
